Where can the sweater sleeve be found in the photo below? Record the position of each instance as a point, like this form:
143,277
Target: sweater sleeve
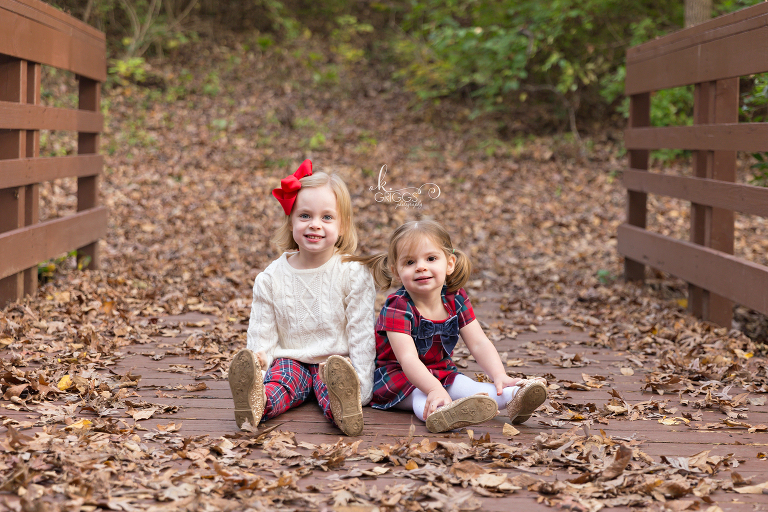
262,327
359,304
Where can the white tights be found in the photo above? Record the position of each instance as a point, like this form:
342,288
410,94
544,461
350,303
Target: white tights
462,387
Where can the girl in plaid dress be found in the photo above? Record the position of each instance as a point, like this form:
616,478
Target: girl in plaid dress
310,325
420,325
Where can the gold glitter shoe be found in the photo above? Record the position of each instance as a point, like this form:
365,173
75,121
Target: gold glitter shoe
247,386
462,412
527,399
343,386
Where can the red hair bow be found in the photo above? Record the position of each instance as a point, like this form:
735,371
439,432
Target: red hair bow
290,186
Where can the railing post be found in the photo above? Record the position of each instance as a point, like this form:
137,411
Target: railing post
32,192
13,87
714,102
639,116
721,225
88,143
703,113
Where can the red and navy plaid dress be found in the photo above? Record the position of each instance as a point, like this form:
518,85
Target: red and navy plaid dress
434,342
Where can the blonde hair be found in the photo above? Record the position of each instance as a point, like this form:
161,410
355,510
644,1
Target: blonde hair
347,241
409,234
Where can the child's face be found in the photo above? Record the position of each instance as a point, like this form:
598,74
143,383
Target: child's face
423,267
315,220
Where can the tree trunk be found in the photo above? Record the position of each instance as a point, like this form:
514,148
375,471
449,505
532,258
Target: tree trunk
697,11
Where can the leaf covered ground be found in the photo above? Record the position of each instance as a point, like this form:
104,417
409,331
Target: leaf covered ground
190,160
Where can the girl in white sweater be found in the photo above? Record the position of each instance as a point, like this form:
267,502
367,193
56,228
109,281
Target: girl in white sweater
312,313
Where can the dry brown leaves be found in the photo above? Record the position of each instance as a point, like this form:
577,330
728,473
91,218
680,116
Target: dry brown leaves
190,223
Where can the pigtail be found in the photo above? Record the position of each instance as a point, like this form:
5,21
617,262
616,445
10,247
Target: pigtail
461,271
379,268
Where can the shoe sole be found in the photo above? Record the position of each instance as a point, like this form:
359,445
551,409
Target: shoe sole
343,386
247,386
461,413
531,398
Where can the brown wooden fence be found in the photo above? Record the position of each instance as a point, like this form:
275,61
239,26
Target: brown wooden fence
34,35
712,57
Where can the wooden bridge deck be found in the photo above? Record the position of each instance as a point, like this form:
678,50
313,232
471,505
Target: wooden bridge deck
209,413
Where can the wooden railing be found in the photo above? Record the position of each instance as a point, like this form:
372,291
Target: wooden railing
712,57
34,35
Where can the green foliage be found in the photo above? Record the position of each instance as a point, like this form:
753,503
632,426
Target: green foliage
317,141
47,270
53,143
754,109
345,36
754,102
132,69
220,124
212,84
760,167
726,6
565,55
672,107
134,26
487,49
179,86
604,276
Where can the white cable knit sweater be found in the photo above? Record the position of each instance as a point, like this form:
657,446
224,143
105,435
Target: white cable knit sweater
310,314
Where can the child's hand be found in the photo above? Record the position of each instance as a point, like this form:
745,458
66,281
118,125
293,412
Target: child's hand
505,381
261,357
320,371
436,398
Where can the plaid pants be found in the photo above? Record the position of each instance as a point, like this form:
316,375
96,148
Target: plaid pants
289,383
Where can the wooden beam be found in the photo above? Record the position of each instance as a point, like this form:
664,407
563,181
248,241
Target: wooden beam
720,220
728,47
35,32
751,137
88,143
26,171
743,282
717,28
13,88
32,190
637,209
14,116
731,196
703,113
49,239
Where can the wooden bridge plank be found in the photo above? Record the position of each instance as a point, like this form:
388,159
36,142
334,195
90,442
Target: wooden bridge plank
209,413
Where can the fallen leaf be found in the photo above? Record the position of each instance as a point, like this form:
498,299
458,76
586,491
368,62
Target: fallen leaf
753,489
509,431
84,423
65,383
